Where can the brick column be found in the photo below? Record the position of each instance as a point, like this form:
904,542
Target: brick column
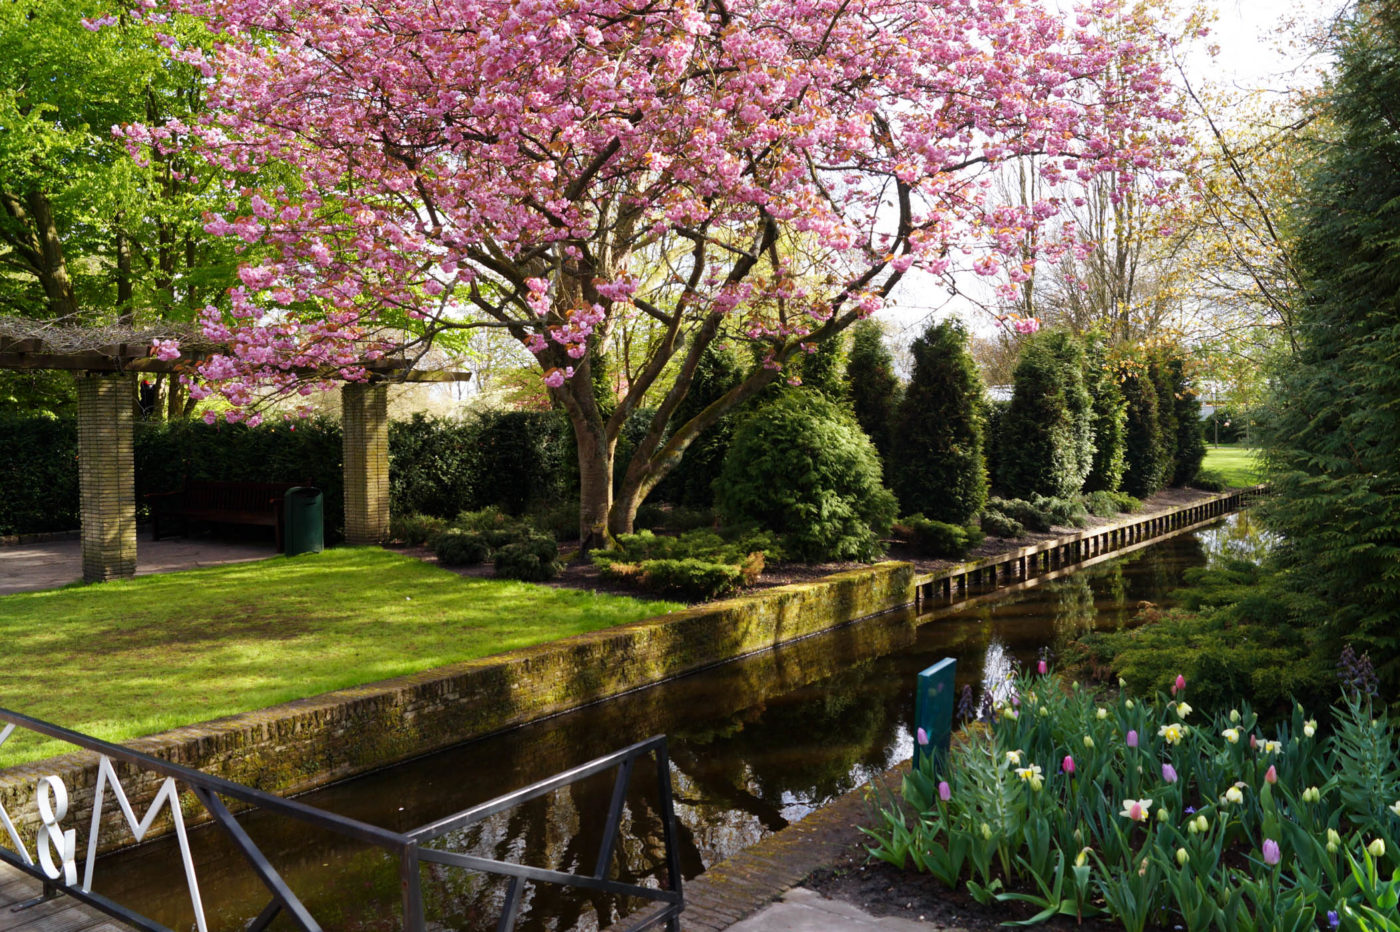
365,421
106,476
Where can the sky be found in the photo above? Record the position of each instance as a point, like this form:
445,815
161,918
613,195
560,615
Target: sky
1250,56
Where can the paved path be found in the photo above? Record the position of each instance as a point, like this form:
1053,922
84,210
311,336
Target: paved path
31,567
61,914
803,910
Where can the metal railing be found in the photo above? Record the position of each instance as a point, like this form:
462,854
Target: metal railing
57,865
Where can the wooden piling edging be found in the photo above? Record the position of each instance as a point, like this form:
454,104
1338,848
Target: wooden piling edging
954,583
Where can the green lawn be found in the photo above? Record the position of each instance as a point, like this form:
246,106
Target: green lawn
131,658
1235,463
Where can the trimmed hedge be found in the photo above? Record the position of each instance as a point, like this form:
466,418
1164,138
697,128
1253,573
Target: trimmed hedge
516,460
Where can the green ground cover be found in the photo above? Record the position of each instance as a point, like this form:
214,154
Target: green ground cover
132,658
1235,463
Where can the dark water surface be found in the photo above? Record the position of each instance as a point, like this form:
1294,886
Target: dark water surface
755,745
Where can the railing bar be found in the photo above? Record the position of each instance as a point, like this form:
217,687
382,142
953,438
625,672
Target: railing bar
544,875
668,818
115,910
362,831
614,823
501,803
265,917
410,878
261,866
511,907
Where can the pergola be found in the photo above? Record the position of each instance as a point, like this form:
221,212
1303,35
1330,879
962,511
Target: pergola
106,365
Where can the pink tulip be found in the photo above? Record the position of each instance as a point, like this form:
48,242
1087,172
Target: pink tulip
1068,765
1271,852
1169,773
945,792
1180,685
921,736
1042,668
1271,775
1132,738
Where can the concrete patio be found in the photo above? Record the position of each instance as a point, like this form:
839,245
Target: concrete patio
51,564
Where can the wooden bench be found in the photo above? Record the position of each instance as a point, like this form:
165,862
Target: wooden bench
258,504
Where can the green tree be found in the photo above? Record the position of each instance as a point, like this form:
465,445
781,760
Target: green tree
87,234
1047,435
691,482
1110,413
1332,429
802,467
936,453
1145,471
872,386
1190,443
1168,424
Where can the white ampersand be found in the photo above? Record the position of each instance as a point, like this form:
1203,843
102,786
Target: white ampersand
53,842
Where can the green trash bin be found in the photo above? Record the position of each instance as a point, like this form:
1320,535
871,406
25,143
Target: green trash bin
303,511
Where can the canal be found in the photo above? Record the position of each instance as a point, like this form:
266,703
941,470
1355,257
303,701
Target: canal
755,745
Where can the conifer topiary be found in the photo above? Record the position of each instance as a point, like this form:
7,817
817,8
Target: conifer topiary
1046,445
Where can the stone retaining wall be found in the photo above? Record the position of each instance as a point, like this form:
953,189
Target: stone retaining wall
308,743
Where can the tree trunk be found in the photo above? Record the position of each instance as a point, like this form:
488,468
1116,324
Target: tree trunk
595,472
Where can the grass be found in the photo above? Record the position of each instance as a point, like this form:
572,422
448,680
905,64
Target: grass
131,658
1236,464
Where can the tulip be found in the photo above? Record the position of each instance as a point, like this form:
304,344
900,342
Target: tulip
1179,685
1271,852
945,792
1233,795
1102,713
986,832
1136,809
1122,683
1042,668
1309,728
1377,848
1334,841
1395,808
1182,857
1128,704
1088,742
1068,765
1201,823
921,736
1312,794
1235,716
1162,814
1132,738
1169,773
1271,775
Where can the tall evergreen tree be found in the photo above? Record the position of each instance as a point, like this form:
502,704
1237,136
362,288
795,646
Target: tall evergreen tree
1110,413
873,387
1332,434
1046,445
937,459
1159,371
1190,443
821,369
1145,471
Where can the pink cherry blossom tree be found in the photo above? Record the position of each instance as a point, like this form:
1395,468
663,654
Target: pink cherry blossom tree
765,170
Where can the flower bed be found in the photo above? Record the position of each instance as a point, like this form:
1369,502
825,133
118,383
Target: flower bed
1148,813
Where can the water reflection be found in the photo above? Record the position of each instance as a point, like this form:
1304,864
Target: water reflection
755,744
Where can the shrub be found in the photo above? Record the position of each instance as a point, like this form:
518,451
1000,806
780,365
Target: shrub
559,519
802,467
1101,504
1208,480
999,525
1126,503
691,579
940,539
1020,511
534,558
1067,512
416,530
456,547
39,475
937,463
1047,440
